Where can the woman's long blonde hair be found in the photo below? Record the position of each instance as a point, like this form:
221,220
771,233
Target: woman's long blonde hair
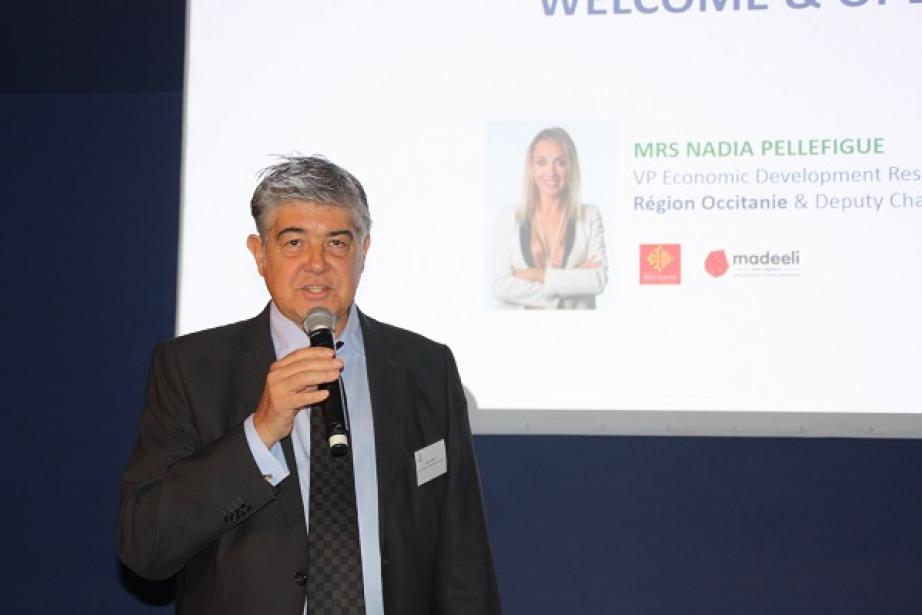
569,198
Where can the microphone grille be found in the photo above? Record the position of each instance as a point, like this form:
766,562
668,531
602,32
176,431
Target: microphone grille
319,318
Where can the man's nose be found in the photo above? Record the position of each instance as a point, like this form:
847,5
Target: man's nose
315,259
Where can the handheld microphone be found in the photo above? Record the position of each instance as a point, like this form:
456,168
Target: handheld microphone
319,325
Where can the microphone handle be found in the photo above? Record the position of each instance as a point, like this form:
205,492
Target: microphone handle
335,417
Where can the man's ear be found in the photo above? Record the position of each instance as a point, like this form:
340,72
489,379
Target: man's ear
365,244
255,245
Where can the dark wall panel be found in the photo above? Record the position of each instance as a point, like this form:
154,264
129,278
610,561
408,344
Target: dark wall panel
704,525
90,120
57,46
91,254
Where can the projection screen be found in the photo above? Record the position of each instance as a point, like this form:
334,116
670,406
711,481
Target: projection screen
742,255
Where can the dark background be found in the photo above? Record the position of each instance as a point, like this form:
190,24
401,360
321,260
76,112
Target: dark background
91,108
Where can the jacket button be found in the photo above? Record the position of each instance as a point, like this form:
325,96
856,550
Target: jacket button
300,578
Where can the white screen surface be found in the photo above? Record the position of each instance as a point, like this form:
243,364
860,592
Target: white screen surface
682,119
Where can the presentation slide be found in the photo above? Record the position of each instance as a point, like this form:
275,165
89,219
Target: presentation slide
644,206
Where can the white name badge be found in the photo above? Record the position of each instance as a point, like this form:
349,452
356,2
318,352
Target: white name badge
430,462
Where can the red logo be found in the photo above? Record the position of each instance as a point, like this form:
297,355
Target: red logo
660,263
716,263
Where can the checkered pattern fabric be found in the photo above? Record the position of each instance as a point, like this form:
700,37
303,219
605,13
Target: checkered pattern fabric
334,579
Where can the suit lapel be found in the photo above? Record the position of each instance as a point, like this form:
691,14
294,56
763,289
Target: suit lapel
255,354
387,383
251,363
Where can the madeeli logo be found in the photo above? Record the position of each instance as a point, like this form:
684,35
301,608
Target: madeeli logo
757,264
716,263
660,263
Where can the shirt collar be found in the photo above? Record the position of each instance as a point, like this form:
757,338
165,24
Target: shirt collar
288,337
352,338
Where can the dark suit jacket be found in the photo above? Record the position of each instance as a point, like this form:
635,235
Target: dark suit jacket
195,503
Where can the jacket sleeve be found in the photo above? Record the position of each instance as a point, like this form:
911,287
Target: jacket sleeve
180,494
465,581
507,287
582,280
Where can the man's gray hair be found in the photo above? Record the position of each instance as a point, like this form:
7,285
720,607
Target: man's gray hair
312,179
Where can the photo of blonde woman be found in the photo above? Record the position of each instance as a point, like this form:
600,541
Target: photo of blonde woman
550,253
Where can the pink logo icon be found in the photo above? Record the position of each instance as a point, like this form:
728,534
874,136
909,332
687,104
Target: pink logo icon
716,263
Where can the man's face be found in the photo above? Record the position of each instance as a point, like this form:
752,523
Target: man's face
310,256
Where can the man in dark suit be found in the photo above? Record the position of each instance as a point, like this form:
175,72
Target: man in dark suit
216,490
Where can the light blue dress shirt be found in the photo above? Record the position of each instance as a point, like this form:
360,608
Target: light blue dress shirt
286,338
